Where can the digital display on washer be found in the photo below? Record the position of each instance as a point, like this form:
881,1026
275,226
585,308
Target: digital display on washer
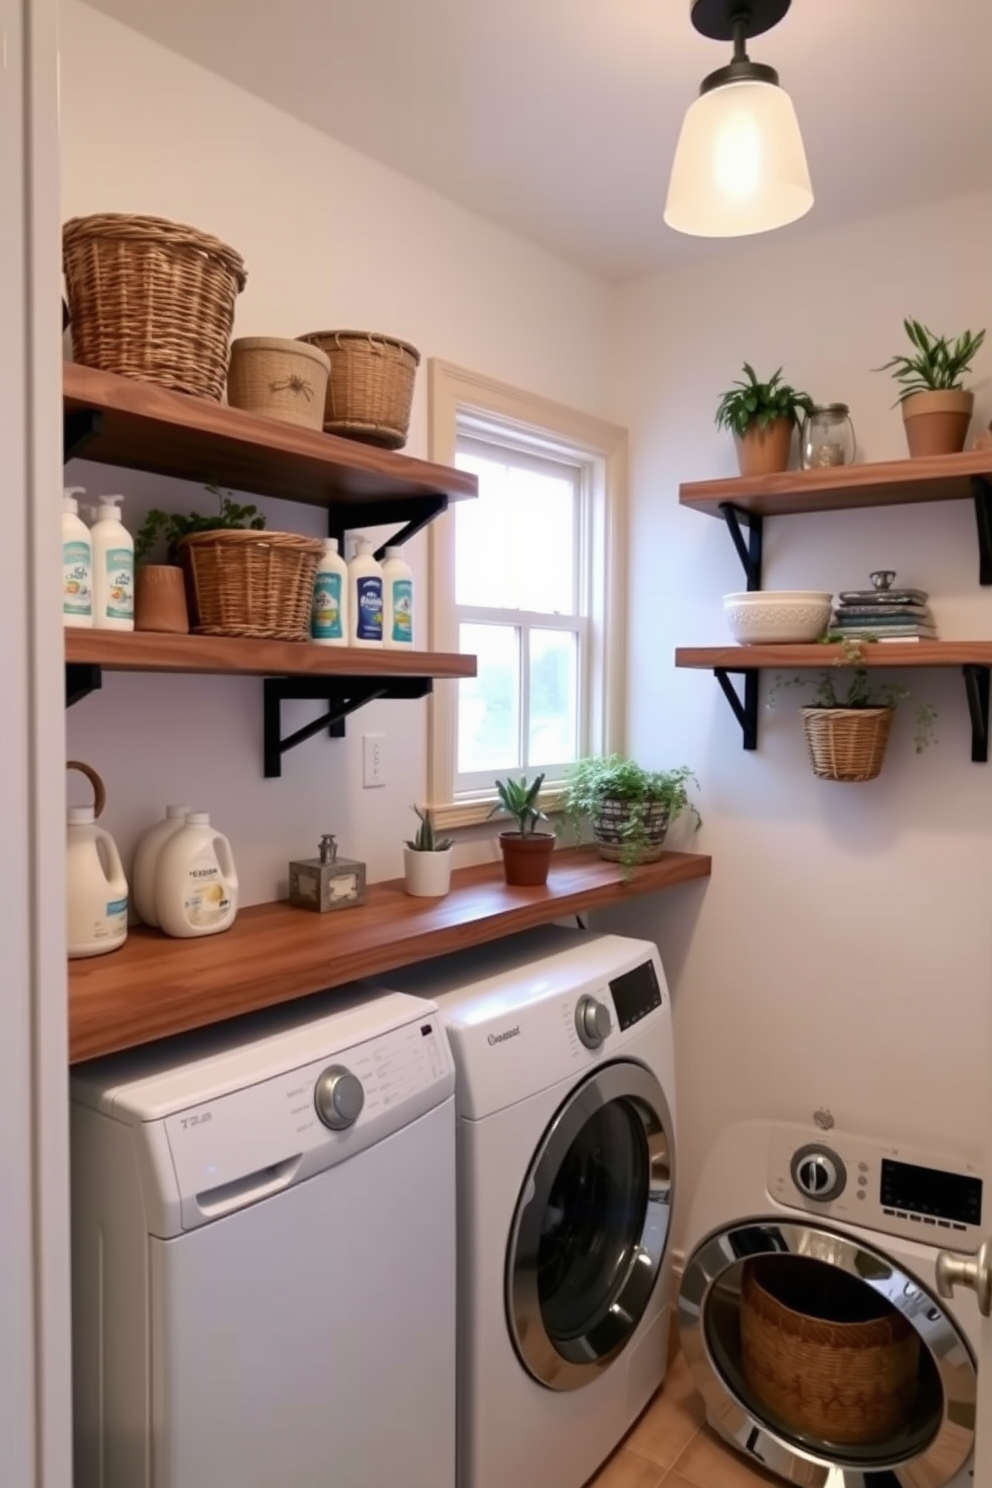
635,993
951,1196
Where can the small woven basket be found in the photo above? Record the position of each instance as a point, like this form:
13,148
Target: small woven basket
846,1382
152,300
847,743
608,829
242,583
370,389
281,379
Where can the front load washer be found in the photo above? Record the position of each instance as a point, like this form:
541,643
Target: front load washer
264,1254
566,1140
883,1213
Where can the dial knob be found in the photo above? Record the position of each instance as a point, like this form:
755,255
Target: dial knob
818,1173
593,1023
338,1097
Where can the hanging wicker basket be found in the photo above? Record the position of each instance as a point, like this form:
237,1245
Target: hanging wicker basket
281,379
847,743
258,584
152,300
609,829
846,1376
370,389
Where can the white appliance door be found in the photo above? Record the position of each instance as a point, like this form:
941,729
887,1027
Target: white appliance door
309,1340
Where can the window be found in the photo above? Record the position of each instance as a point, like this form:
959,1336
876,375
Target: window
528,578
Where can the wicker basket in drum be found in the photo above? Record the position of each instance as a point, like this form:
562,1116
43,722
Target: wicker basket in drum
614,841
847,1375
242,583
370,389
847,743
152,300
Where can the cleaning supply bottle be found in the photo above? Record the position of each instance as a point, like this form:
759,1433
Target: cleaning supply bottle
397,614
365,597
329,612
196,886
77,562
113,568
146,858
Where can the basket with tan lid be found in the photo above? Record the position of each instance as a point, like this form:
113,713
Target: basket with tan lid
370,389
152,300
243,583
825,1353
281,379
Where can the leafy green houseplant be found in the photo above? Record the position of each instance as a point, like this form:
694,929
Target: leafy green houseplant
526,852
936,406
761,417
427,859
630,808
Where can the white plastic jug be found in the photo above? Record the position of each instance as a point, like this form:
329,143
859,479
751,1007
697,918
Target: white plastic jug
96,887
145,865
196,886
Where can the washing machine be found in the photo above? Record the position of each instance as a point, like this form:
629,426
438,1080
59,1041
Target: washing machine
893,1223
263,1245
562,1044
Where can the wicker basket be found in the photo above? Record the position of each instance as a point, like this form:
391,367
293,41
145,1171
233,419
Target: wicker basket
370,390
608,830
847,1376
152,300
847,743
281,379
242,583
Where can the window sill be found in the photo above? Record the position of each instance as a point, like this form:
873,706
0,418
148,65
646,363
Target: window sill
472,813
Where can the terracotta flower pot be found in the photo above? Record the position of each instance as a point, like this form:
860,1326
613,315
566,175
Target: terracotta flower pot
526,859
937,422
764,451
160,599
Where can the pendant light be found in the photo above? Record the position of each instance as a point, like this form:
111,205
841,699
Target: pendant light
740,166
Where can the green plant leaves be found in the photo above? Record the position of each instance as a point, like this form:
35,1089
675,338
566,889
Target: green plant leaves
750,401
938,364
426,840
519,800
174,525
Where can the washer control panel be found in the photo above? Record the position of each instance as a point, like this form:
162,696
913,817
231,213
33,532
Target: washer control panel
895,1189
593,1023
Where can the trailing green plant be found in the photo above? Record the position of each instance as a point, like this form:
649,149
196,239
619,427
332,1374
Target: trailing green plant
750,401
937,363
169,527
859,689
519,800
614,777
426,839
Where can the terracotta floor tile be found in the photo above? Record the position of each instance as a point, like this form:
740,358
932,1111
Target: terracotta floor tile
628,1470
707,1462
671,1420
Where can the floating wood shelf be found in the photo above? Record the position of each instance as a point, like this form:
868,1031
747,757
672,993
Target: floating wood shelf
154,987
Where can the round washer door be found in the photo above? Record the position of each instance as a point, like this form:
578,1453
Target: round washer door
934,1447
591,1227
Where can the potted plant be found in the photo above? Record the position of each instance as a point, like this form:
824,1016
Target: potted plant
761,416
936,407
163,596
630,808
526,853
427,860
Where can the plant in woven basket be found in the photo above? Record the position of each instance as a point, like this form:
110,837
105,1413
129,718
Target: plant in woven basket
169,527
427,840
630,808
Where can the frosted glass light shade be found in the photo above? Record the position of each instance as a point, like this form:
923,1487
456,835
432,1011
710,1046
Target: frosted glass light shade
740,166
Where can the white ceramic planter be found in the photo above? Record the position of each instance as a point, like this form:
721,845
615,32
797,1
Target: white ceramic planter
427,875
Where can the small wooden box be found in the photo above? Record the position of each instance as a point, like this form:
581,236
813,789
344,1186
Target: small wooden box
326,882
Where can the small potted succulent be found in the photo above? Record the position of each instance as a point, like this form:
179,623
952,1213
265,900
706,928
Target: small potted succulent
526,852
630,808
761,416
162,591
936,407
427,860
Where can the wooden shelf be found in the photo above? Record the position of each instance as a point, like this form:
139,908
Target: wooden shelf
873,654
154,987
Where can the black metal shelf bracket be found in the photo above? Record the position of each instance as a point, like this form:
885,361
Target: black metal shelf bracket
414,512
749,552
746,711
981,490
78,428
976,686
80,680
343,695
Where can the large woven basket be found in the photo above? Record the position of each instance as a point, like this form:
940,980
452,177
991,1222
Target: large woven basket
609,823
370,389
824,1353
281,379
847,743
242,583
152,300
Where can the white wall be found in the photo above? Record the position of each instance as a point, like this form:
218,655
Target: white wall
330,239
840,955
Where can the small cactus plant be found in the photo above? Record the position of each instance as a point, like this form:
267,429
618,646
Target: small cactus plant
426,840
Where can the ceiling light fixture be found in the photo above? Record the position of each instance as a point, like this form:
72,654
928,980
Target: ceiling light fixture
739,166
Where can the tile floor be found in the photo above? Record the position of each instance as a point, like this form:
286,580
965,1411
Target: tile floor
671,1445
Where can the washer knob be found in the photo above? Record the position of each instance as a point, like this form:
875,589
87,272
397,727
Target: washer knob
338,1097
818,1173
593,1023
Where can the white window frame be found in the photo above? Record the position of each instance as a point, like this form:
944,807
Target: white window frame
465,403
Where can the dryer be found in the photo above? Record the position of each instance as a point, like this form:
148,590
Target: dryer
565,1102
883,1214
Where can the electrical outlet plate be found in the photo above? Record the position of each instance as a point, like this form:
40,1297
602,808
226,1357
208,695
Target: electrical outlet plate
373,760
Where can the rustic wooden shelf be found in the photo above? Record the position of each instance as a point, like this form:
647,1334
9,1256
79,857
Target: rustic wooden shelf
154,987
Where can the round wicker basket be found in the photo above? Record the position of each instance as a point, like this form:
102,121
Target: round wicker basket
281,379
847,743
152,300
243,583
609,823
824,1353
370,389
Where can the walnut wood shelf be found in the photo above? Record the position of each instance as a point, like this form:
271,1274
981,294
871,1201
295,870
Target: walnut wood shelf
154,987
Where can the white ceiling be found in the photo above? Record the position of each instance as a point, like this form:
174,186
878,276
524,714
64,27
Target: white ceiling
558,118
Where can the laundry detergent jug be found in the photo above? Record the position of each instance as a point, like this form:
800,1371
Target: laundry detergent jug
96,887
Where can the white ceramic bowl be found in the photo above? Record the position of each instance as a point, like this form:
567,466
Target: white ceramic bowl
768,616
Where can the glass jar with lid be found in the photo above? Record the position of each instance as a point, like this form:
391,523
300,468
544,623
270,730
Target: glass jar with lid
827,437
